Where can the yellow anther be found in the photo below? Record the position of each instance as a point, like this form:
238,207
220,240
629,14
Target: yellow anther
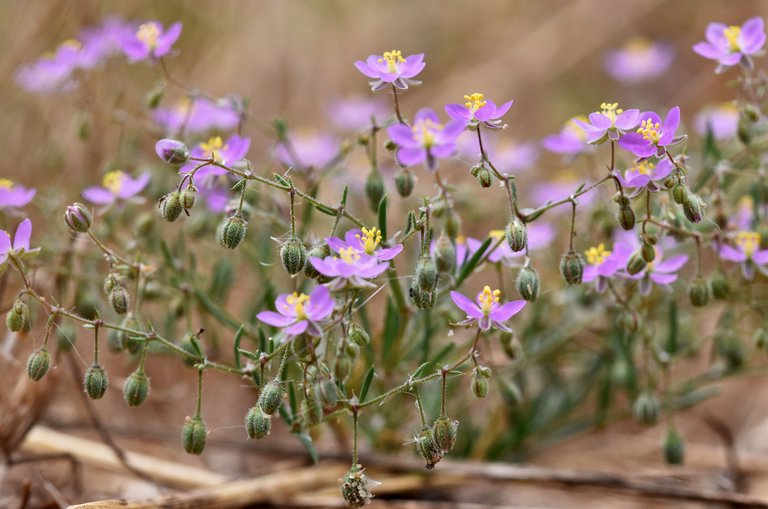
475,101
370,239
149,34
748,242
732,34
488,298
461,239
637,45
611,110
6,184
496,234
597,254
649,130
71,43
298,300
392,58
425,132
349,254
644,167
746,203
113,181
214,145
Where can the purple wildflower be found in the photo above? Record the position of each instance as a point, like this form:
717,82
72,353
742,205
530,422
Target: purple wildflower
391,67
603,264
721,119
151,41
570,141
300,313
746,252
425,141
608,123
106,39
734,44
653,135
486,311
54,73
356,114
477,110
349,269
366,242
561,186
638,60
230,152
20,243
14,196
316,151
215,192
647,174
199,115
116,186
660,271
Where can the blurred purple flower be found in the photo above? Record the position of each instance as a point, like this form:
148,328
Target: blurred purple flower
230,152
570,141
608,123
391,67
510,157
215,190
744,218
300,313
14,196
653,135
151,41
53,73
560,187
199,115
477,110
308,151
486,311
603,264
366,242
355,114
734,44
746,252
722,119
638,60
20,243
116,186
425,141
647,174
106,39
349,269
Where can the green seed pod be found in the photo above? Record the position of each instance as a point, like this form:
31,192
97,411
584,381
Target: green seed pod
257,424
188,197
692,208
66,336
744,130
636,263
452,224
95,382
374,189
343,367
311,409
648,252
170,206
136,388
38,364
405,182
572,267
720,286
427,448
194,434
134,346
78,218
698,292
444,433
426,274
327,392
625,216
111,282
17,316
480,376
527,283
445,254
420,299
646,408
516,234
679,192
674,447
356,488
293,254
358,335
305,346
271,397
231,231
119,300
482,174
319,251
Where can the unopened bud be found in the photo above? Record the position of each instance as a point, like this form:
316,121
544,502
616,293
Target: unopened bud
720,286
271,397
293,254
427,448
111,282
136,388
172,151
648,252
421,299
527,283
698,292
95,382
119,299
78,218
625,216
444,433
572,267
231,231
188,197
358,335
170,206
257,424
679,192
692,207
636,263
374,189
445,254
404,182
480,376
674,447
483,175
194,434
426,274
38,364
18,316
516,234
646,408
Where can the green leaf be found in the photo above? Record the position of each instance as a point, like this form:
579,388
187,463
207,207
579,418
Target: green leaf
306,441
468,267
420,370
280,180
252,356
344,194
367,384
238,337
383,217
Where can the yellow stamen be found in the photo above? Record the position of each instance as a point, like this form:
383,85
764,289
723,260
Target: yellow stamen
475,101
644,167
214,145
496,234
649,130
597,255
349,254
748,242
149,34
370,239
461,239
113,181
732,34
611,110
71,43
425,132
393,58
298,300
6,184
488,298
637,45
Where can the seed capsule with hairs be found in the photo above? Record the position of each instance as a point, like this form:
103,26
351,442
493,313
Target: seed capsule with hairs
427,448
636,263
674,447
17,316
572,267
136,388
119,299
426,274
293,254
231,231
692,207
445,254
444,433
646,408
194,433
111,282
38,364
625,216
720,286
483,175
257,424
516,234
374,189
95,382
271,397
679,192
527,283
319,251
420,299
356,487
698,292
358,335
188,198
404,182
327,392
170,206
480,376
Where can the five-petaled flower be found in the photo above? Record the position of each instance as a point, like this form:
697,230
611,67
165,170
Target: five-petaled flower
478,110
603,264
199,115
308,151
639,59
608,123
20,243
734,44
570,141
365,242
486,311
391,68
646,173
351,269
653,135
151,41
426,140
116,186
14,196
298,313
747,253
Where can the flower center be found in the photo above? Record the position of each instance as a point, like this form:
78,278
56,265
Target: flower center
392,58
649,130
370,239
638,45
71,44
474,101
597,255
349,255
149,34
611,111
644,167
213,145
113,181
460,239
731,35
488,298
6,184
748,242
298,300
426,132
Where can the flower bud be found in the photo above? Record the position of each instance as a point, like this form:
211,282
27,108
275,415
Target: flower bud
636,263
231,231
648,252
319,251
327,392
698,292
692,207
445,254
18,316
356,487
527,283
172,151
111,282
136,388
188,197
38,364
119,299
170,206
358,335
516,234
480,376
405,182
95,382
646,408
293,254
674,447
78,218
194,434
444,432
482,174
427,448
572,267
374,189
257,423
426,274
720,286
271,397
625,216
679,192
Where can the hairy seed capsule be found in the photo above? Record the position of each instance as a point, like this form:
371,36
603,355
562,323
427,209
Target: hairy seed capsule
636,263
78,218
445,254
405,182
326,391
516,234
444,433
484,177
527,283
136,388
674,447
111,282
38,364
572,267
625,216
194,434
679,192
319,251
698,292
188,197
119,300
231,231
646,408
720,286
648,252
692,207
358,335
17,317
419,298
374,189
170,206
356,487
427,448
257,424
271,397
480,376
96,381
293,254
426,274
